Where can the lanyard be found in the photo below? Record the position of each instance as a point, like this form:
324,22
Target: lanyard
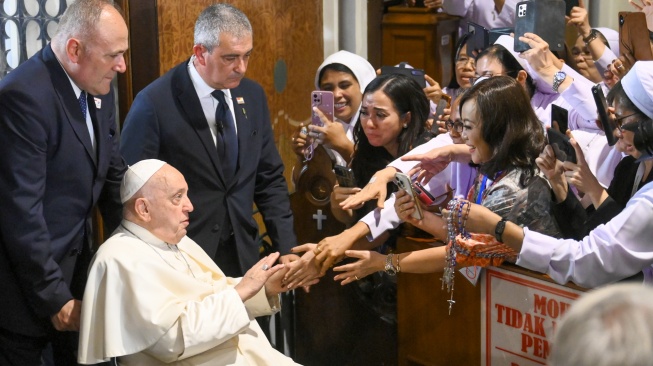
481,189
638,178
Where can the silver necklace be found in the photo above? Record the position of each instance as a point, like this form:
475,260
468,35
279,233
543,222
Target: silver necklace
159,254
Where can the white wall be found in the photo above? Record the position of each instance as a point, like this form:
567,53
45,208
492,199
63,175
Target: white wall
603,13
345,26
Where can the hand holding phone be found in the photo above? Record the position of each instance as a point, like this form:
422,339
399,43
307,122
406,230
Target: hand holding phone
345,176
544,18
323,101
607,124
403,181
563,149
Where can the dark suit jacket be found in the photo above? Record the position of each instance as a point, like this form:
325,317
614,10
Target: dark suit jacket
166,122
49,183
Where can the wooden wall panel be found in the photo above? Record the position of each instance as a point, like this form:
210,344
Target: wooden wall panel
288,48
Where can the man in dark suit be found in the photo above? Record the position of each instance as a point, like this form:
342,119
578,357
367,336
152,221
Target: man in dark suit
186,117
60,158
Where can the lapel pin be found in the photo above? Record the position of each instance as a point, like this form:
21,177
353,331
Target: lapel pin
244,112
98,103
240,100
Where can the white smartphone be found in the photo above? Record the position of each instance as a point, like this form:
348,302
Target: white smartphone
403,181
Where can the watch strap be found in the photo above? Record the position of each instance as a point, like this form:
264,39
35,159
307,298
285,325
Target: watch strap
498,230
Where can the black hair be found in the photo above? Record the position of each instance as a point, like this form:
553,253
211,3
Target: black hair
509,62
407,96
453,84
335,67
508,125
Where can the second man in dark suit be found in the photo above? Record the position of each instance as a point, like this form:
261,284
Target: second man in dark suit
212,124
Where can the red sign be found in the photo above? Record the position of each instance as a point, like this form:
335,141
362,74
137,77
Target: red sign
518,315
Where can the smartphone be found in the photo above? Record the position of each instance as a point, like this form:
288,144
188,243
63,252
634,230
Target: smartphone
416,74
560,115
481,38
403,181
445,102
423,194
478,39
561,146
544,18
345,176
607,123
634,36
569,4
323,100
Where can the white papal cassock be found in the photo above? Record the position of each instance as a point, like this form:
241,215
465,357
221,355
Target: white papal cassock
148,303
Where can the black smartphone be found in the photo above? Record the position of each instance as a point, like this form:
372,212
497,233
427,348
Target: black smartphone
607,123
481,38
569,4
561,146
416,74
544,18
345,176
560,115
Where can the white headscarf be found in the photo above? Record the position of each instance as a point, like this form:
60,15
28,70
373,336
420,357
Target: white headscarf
638,85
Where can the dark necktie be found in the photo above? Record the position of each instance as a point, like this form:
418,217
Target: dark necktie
82,103
227,143
89,124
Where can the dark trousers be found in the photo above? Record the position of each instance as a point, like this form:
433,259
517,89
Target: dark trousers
58,348
226,257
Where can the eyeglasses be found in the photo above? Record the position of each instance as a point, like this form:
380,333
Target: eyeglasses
619,121
462,61
488,74
456,125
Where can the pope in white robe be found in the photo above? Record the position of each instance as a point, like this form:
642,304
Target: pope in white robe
155,297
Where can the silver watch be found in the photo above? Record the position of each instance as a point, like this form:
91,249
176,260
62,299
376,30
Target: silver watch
558,78
389,267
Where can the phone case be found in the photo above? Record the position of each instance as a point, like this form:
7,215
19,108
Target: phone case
546,18
425,196
607,123
633,36
403,181
345,176
323,100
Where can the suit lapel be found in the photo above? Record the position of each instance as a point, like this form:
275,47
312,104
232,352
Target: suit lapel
190,103
68,100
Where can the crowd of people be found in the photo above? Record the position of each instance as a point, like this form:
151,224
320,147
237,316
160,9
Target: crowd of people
182,280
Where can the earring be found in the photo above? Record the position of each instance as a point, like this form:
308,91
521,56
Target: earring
405,125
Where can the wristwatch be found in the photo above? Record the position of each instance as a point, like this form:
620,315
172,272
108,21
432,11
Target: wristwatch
592,36
498,230
389,267
558,78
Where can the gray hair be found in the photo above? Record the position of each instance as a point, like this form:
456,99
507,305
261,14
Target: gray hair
609,326
219,18
81,18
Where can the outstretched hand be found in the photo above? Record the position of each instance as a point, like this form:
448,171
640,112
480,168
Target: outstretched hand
368,262
256,277
375,188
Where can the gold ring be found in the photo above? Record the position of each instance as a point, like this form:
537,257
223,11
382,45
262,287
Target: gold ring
356,277
317,250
